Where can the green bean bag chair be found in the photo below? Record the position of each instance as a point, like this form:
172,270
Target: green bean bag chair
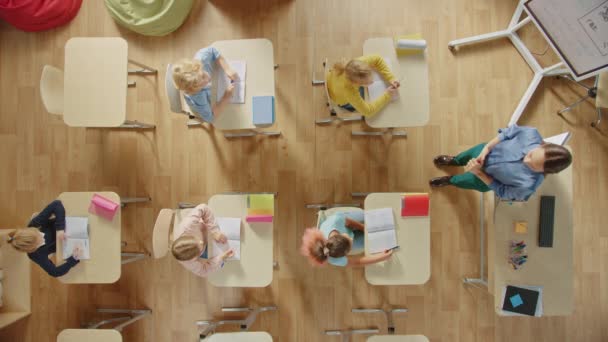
150,17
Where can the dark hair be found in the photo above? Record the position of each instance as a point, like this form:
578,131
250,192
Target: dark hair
557,158
337,246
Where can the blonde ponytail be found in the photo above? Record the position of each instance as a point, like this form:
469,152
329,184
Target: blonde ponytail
22,239
356,71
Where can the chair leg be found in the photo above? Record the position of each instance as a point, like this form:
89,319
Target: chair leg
569,108
568,78
599,118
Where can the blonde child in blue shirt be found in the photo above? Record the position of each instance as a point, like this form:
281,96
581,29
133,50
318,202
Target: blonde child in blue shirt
193,77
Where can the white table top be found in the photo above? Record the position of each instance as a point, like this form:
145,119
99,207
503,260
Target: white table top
398,338
241,337
89,335
104,267
259,56
551,268
255,269
411,109
95,79
410,264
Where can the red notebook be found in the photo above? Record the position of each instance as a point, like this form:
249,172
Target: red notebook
415,205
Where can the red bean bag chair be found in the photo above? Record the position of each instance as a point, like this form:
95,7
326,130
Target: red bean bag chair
38,15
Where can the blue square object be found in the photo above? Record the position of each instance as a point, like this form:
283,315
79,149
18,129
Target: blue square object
263,110
516,301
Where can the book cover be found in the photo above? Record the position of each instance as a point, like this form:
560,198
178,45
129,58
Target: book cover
520,300
263,110
413,205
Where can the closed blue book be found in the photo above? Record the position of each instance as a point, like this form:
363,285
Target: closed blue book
263,110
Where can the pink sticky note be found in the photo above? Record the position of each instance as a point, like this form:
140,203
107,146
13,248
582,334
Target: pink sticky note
103,207
259,218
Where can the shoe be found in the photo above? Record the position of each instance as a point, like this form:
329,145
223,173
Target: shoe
445,160
440,181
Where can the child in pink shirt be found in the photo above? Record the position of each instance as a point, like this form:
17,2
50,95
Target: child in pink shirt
191,238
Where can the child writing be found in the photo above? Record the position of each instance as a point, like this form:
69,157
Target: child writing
345,82
39,240
337,236
190,245
193,77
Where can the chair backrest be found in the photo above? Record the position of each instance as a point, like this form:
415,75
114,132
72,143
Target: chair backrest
601,100
51,89
174,95
161,235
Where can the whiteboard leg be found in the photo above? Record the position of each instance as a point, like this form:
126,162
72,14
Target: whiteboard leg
526,98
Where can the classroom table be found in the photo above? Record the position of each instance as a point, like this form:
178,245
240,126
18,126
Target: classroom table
104,266
259,81
411,263
105,236
95,82
398,338
551,268
89,335
241,337
411,108
255,269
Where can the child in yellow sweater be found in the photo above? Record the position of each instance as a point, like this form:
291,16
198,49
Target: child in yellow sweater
345,82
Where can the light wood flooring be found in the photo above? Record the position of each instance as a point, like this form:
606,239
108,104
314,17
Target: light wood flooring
472,95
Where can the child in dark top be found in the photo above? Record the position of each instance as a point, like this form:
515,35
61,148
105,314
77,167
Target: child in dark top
39,240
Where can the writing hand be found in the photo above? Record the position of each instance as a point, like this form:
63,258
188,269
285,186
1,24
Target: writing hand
228,254
77,253
219,237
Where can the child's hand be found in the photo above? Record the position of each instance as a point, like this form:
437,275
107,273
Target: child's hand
396,84
392,90
229,91
77,253
387,254
219,237
232,74
61,235
228,254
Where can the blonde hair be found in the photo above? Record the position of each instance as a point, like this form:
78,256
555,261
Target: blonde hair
23,239
355,70
188,75
186,247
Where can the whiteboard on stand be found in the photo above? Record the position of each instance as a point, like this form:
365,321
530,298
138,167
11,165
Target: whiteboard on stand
577,30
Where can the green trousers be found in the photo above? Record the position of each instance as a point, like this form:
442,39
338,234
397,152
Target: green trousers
468,180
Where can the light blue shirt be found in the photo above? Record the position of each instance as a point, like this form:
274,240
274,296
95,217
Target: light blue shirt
336,222
514,180
200,102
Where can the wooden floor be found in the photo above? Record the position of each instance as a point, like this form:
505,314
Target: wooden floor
473,93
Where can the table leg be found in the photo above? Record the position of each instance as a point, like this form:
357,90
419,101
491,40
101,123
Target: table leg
251,133
390,130
132,257
249,193
136,124
145,70
127,200
482,280
388,314
244,324
133,316
332,205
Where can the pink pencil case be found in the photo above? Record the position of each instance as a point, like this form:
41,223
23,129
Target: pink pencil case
103,207
259,218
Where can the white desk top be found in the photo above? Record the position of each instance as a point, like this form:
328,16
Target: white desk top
551,268
259,56
241,337
104,267
255,269
95,79
89,335
411,109
410,264
398,338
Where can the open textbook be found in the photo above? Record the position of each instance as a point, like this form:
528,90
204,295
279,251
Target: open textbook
380,226
231,227
379,85
238,96
77,232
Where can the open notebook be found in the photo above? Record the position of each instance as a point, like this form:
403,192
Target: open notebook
238,96
379,86
77,232
380,226
231,227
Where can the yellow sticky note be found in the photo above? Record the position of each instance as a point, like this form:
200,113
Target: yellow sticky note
521,227
260,204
